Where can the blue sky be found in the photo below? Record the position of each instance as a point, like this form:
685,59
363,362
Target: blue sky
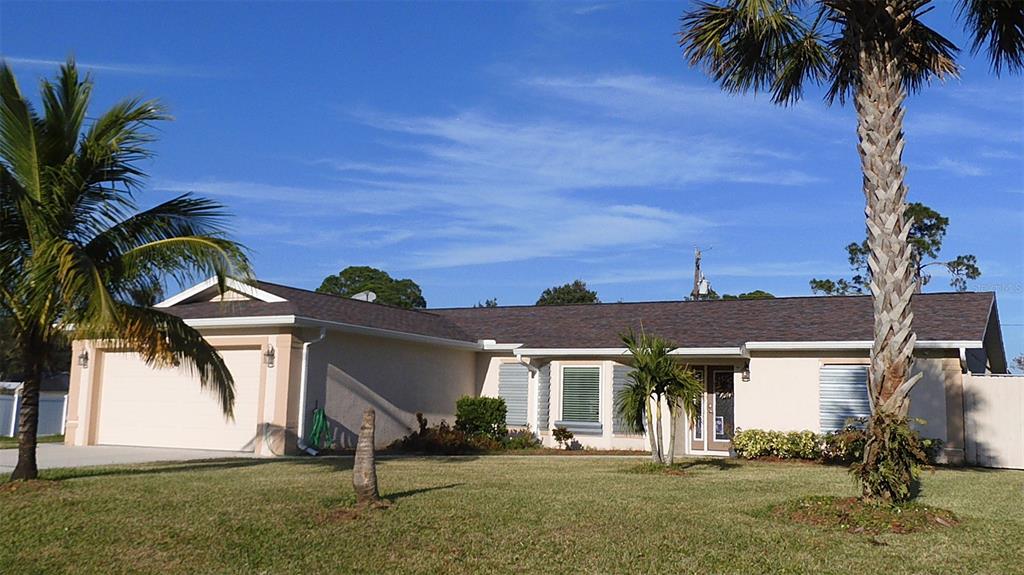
495,149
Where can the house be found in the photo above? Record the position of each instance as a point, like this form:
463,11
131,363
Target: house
786,364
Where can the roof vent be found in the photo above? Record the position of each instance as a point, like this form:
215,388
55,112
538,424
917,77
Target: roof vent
366,296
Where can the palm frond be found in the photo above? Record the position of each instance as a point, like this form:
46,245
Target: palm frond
163,340
757,45
997,25
64,106
18,146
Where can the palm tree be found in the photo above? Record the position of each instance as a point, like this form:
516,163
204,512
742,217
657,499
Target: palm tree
75,251
364,467
655,378
877,52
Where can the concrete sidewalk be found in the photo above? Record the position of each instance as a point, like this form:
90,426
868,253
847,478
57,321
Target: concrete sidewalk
51,455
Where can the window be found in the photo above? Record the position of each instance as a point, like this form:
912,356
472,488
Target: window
698,423
581,394
724,421
843,391
513,387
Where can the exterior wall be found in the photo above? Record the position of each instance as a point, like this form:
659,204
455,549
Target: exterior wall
349,373
272,425
783,393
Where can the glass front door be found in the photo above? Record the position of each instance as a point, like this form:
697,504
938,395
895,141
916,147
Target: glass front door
720,410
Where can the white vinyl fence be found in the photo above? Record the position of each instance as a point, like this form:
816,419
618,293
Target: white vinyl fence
52,413
994,420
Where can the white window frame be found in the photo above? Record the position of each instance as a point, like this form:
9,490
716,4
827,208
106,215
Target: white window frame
600,390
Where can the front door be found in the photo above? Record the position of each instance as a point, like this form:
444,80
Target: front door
719,410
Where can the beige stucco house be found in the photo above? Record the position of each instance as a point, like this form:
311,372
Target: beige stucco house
785,364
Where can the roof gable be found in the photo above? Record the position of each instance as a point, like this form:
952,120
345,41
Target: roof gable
209,291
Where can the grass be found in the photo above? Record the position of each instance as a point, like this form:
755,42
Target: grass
12,442
493,514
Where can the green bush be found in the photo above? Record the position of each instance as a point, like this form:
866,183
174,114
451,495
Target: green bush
440,439
522,439
562,435
481,416
893,456
845,446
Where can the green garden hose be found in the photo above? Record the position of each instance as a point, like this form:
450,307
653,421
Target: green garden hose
318,434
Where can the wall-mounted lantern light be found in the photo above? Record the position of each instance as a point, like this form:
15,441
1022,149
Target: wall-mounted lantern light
83,359
746,372
268,357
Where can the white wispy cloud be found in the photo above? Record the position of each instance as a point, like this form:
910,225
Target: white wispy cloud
113,67
961,168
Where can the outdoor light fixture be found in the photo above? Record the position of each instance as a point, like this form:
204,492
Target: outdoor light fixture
83,359
746,372
268,357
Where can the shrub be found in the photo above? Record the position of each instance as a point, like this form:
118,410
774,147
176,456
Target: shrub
844,446
893,456
562,435
441,439
522,439
481,416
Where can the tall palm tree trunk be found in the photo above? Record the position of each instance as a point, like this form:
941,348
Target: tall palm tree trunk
28,416
661,435
879,104
364,468
655,452
673,417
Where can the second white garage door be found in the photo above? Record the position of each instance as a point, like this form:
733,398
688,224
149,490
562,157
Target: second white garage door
139,405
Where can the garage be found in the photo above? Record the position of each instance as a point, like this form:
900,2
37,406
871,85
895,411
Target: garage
139,405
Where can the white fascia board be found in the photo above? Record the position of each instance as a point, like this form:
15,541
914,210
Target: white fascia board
853,344
491,345
242,321
618,351
230,283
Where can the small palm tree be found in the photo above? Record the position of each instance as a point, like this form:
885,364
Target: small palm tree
875,52
75,252
656,378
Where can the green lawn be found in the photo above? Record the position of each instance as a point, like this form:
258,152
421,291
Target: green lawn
12,442
491,514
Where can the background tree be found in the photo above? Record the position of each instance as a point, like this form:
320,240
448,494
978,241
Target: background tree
712,295
875,52
756,294
492,302
656,378
75,250
575,292
348,282
927,230
1018,363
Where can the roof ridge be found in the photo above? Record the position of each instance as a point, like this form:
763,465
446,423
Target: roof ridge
713,301
349,299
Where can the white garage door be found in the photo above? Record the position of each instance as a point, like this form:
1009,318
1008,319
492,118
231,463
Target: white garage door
139,405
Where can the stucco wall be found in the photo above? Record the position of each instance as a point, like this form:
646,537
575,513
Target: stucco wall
398,379
782,394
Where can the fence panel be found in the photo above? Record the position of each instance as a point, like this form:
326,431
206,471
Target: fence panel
994,420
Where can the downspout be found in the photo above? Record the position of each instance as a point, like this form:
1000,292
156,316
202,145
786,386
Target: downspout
302,392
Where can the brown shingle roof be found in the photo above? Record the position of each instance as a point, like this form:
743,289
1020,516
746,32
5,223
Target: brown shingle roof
730,323
305,303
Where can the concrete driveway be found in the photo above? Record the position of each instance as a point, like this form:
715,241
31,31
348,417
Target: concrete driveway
52,455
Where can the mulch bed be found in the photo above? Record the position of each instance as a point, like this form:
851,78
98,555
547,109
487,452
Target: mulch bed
855,515
30,486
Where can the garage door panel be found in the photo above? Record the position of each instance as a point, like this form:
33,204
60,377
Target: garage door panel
140,405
